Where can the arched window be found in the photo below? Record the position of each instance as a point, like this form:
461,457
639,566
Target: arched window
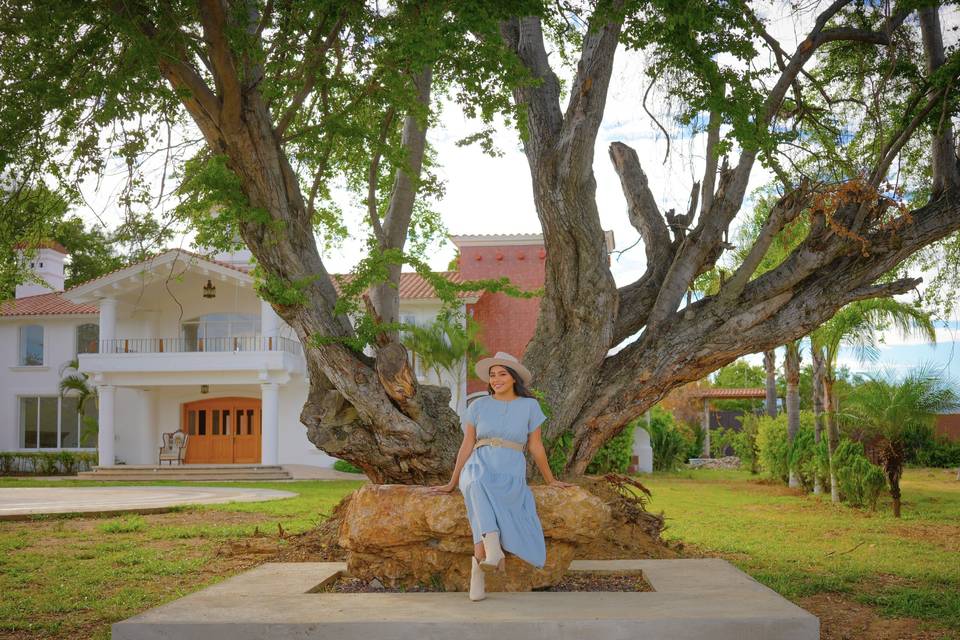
87,337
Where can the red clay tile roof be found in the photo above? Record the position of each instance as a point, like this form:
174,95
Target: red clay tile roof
43,244
730,393
413,286
45,304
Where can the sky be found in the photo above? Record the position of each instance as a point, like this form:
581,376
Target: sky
486,195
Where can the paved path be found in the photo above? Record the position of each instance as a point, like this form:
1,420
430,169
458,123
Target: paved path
16,503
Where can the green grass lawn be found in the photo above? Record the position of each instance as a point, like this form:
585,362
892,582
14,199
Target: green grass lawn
801,545
70,577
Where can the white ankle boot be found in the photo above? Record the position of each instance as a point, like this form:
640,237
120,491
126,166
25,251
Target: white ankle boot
494,553
477,586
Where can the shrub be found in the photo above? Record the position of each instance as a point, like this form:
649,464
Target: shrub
670,447
614,455
7,461
68,462
774,446
694,436
47,464
778,455
939,452
720,440
745,442
861,482
345,467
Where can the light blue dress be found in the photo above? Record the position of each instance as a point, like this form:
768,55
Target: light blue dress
494,479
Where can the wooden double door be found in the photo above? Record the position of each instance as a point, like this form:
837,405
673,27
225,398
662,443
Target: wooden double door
222,431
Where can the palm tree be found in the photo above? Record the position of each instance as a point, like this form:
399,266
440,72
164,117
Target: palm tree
856,325
77,385
817,356
770,368
791,372
886,410
445,345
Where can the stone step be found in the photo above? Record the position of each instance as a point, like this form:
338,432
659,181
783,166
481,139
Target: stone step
190,478
187,472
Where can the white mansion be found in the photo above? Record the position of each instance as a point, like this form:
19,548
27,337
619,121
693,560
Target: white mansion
178,342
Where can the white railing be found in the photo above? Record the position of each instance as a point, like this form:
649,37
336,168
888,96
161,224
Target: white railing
237,344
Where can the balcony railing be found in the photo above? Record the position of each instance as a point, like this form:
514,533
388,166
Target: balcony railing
236,344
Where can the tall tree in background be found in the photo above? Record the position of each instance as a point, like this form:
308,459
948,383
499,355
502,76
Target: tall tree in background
291,99
770,382
791,373
856,326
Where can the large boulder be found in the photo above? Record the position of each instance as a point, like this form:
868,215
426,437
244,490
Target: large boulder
404,536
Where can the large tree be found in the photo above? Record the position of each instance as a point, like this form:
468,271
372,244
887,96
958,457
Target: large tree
291,99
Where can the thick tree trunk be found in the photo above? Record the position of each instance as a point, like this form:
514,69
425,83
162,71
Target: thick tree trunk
372,412
770,368
791,370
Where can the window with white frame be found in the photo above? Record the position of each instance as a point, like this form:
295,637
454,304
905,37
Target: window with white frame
31,345
87,337
54,422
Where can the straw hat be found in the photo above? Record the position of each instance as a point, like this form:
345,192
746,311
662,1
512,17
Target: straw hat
504,360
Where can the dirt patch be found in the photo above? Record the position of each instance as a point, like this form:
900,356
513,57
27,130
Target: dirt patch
634,532
945,536
572,581
845,619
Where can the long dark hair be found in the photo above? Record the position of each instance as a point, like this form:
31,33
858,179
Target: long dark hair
518,387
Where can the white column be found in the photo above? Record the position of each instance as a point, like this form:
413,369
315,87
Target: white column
108,321
269,323
269,423
105,432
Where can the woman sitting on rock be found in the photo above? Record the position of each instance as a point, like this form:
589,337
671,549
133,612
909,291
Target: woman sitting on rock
491,469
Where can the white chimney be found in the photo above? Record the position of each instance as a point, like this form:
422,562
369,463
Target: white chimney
46,263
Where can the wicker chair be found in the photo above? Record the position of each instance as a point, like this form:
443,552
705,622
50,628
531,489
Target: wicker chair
174,447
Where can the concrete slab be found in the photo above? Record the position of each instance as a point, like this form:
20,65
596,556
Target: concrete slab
23,502
693,599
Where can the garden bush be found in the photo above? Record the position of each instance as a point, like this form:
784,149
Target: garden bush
778,455
47,463
670,448
861,482
345,467
614,455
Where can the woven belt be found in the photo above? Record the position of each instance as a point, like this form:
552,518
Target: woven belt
498,442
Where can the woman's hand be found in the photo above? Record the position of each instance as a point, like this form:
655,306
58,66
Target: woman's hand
559,483
443,488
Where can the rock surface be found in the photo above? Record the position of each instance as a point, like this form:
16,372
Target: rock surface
726,462
404,535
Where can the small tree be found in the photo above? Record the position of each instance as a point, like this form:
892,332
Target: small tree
446,345
885,410
856,326
77,385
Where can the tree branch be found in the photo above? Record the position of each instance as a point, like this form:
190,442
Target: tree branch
225,73
588,94
311,76
524,36
883,290
641,206
943,155
710,171
373,176
781,214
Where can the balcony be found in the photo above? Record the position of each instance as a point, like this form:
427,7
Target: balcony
234,344
169,361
